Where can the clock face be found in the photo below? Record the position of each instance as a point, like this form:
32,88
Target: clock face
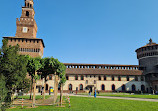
24,29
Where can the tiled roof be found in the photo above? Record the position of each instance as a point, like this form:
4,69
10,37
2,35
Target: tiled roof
102,71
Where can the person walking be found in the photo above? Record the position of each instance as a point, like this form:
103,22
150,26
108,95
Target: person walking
95,93
89,93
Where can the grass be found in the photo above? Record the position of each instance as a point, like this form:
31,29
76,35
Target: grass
126,95
37,97
98,104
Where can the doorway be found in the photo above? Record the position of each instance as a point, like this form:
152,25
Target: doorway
90,88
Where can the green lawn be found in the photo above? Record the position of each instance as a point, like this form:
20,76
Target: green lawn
99,104
37,97
126,95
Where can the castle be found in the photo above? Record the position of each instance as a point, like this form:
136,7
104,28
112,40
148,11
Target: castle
83,77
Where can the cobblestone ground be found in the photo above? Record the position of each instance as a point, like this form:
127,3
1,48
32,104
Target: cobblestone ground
48,101
18,102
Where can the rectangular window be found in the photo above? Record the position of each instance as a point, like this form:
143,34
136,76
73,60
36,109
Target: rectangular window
119,78
142,78
82,77
67,77
86,81
105,78
136,78
127,78
94,81
76,77
112,78
99,77
50,77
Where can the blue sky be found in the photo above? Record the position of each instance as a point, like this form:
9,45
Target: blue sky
88,31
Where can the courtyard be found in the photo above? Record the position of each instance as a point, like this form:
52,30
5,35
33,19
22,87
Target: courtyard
97,104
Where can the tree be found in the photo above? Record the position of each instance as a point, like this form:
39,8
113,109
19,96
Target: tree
53,66
32,67
13,67
12,70
3,91
24,85
22,72
46,69
61,72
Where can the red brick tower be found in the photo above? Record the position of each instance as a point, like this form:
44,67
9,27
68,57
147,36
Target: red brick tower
26,33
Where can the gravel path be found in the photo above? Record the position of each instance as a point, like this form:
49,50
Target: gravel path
126,98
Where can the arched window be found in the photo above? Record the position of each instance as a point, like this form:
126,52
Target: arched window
99,77
102,87
123,87
46,86
142,88
81,87
113,87
133,87
70,87
27,13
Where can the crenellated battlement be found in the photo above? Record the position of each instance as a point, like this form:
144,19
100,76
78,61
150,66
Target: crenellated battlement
101,66
25,21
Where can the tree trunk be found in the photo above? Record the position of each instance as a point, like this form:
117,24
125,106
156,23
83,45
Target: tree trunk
55,87
12,98
34,94
12,95
61,94
34,91
31,88
44,90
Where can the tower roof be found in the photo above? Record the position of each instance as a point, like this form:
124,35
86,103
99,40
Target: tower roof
151,43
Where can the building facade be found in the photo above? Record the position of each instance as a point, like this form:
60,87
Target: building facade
102,77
